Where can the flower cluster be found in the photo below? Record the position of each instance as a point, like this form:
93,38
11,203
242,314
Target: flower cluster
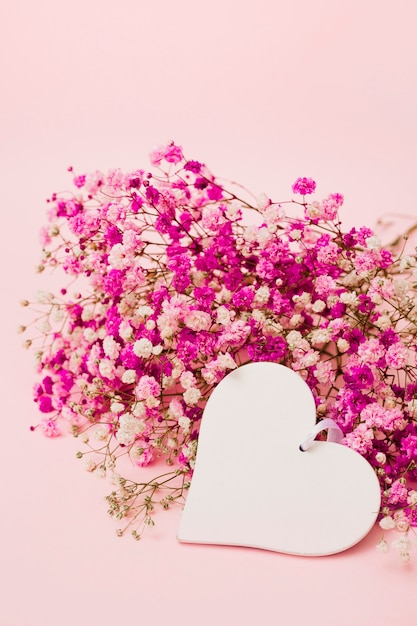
179,281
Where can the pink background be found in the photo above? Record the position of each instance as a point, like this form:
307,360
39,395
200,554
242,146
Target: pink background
263,92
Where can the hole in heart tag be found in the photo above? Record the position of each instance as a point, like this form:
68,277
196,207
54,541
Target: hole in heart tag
259,482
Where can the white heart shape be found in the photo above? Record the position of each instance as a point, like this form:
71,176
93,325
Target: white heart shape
253,486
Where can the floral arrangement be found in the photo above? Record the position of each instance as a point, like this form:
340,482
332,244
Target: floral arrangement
179,280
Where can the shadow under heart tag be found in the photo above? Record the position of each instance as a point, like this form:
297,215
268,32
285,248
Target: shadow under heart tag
253,486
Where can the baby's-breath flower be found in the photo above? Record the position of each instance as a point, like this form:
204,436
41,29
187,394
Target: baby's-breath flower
143,348
387,523
174,288
90,465
192,395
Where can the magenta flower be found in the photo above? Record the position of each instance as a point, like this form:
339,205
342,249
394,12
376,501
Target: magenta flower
304,186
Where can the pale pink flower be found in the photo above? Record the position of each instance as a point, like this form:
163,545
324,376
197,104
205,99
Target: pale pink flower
360,439
147,387
324,372
212,218
397,356
49,427
324,285
187,380
198,320
142,455
371,351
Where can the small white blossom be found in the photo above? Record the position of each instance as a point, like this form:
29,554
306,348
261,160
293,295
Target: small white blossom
262,294
44,297
412,497
380,458
321,335
192,395
343,345
407,262
111,347
383,322
89,335
387,523
129,377
90,465
184,423
145,311
263,201
318,306
222,315
143,348
106,368
296,320
373,243
382,546
101,432
125,331
294,338
187,380
117,407
139,410
175,409
349,298
412,407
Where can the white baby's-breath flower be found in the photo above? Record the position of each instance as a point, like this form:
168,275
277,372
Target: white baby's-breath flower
387,523
342,345
129,377
318,306
373,243
294,338
90,465
192,395
222,315
44,297
296,320
407,262
89,335
383,322
184,423
145,311
262,294
139,410
106,368
101,432
143,348
349,298
126,331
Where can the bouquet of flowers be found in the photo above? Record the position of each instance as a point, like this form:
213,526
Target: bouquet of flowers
171,280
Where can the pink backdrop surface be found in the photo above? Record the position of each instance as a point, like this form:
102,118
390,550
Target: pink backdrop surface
262,92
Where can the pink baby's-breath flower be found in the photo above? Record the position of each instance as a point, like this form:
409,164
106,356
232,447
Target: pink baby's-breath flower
360,439
49,427
397,356
147,387
198,320
170,153
143,456
304,186
371,351
324,372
